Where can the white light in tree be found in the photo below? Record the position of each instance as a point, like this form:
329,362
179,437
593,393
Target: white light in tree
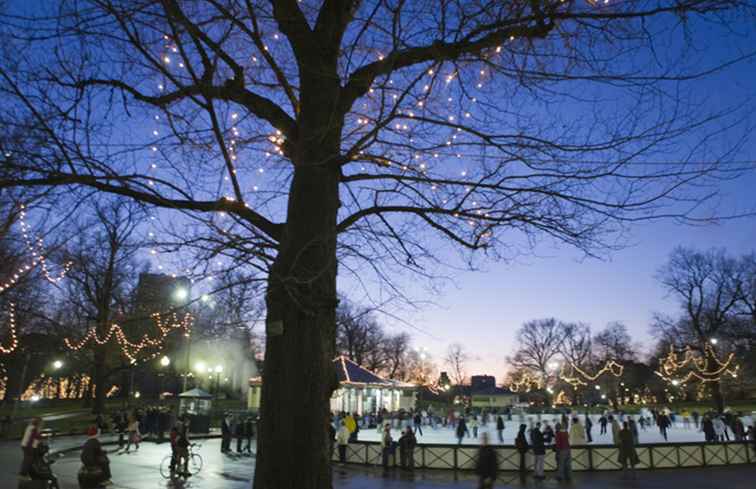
165,361
57,364
181,294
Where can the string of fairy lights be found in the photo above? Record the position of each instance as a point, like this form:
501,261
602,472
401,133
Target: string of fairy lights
706,368
13,342
579,377
576,378
131,349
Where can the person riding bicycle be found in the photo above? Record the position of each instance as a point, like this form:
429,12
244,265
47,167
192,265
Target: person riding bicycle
180,449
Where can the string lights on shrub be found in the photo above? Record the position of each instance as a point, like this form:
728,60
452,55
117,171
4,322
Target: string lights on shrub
580,377
526,383
131,349
704,368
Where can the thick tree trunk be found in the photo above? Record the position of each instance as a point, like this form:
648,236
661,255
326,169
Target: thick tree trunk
99,378
298,379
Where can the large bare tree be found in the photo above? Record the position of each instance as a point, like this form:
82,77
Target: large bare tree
304,135
708,286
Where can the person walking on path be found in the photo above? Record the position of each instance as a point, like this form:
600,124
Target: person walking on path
577,433
342,440
564,457
407,444
226,434
461,430
627,453
615,430
29,443
249,433
487,465
133,435
588,428
94,457
500,428
539,451
521,443
603,422
387,446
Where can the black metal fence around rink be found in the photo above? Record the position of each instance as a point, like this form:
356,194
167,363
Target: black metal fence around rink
584,458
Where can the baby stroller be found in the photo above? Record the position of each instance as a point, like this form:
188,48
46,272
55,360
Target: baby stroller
41,473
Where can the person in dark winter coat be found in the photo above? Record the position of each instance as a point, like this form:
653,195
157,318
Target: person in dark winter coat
707,426
417,421
407,444
94,457
588,428
627,453
539,450
603,422
521,442
548,434
500,428
226,434
461,430
663,422
487,465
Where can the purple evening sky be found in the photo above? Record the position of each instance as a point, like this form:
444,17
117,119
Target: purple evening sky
485,309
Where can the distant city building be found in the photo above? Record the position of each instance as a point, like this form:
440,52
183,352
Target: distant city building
157,292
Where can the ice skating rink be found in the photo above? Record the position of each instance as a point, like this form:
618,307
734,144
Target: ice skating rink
677,433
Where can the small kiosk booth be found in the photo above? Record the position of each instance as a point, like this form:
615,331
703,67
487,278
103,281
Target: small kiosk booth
197,404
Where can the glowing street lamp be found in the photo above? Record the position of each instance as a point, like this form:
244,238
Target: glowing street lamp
597,387
713,341
181,294
200,367
165,361
57,364
218,369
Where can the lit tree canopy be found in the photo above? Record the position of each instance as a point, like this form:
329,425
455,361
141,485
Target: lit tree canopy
315,133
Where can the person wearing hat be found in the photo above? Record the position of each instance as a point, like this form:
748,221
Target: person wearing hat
94,457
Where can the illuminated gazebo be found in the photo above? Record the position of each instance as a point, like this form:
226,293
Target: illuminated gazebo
360,391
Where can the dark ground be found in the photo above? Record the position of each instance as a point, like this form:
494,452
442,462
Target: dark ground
140,470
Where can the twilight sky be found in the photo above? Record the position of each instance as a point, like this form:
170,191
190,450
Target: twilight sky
486,308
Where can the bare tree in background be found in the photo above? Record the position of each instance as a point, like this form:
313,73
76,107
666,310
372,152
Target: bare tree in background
614,343
308,137
456,359
99,287
539,343
708,285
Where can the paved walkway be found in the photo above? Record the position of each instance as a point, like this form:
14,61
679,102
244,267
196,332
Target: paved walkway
138,470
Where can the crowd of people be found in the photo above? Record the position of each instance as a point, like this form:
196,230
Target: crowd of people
537,435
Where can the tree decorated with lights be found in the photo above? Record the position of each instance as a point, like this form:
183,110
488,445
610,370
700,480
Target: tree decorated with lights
708,285
306,137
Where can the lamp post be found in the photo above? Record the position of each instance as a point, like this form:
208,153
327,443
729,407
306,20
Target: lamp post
57,365
218,371
164,362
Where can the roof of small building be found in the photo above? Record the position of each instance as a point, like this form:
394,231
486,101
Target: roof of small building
351,373
196,394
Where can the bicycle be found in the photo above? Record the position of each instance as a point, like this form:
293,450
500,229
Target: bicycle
194,463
